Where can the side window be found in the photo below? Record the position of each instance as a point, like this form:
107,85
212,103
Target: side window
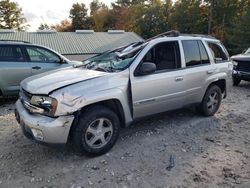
217,52
165,55
191,52
203,53
37,54
11,53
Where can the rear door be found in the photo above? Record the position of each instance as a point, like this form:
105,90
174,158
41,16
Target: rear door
198,69
42,59
13,68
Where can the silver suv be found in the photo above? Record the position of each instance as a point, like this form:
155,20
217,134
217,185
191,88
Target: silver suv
20,59
88,104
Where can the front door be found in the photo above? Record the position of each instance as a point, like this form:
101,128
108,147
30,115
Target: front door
162,90
42,60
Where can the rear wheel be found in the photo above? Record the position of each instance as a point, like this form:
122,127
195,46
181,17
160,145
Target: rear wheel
211,101
96,131
236,81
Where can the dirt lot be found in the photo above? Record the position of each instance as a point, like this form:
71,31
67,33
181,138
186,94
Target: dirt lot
176,149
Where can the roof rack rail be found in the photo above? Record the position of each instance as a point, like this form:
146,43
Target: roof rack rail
5,40
175,33
172,33
198,35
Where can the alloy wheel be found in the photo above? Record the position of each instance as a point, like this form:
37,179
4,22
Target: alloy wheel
99,133
213,101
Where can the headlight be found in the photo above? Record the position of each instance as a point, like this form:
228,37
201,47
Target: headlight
235,63
48,104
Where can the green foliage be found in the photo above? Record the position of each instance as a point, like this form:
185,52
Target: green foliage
99,16
78,14
239,36
227,20
11,16
151,19
64,26
189,16
44,26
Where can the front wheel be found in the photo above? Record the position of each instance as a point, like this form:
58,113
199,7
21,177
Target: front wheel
97,131
211,101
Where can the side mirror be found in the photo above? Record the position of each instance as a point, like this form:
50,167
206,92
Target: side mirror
146,68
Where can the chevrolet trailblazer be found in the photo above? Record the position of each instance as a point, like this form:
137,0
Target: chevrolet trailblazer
88,104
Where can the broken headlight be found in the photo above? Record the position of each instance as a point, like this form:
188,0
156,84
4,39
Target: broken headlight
48,104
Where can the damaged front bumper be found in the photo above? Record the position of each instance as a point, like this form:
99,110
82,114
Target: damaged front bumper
42,128
241,75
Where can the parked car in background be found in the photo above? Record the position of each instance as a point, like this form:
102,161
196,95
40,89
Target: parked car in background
90,103
19,60
241,67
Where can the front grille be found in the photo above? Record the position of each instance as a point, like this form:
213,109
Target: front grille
243,66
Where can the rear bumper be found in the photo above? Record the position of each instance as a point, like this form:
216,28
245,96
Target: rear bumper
42,128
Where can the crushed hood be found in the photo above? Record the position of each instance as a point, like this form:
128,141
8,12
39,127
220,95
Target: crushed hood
46,82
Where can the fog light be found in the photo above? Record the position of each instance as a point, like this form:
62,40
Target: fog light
38,134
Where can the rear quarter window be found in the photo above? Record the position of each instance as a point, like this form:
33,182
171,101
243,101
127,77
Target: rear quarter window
218,52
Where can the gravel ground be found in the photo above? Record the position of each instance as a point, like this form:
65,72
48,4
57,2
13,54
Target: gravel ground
174,149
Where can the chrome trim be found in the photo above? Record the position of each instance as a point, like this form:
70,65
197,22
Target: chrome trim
32,108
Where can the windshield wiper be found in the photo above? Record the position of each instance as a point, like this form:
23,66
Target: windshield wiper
83,65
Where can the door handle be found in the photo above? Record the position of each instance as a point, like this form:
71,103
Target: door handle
36,67
210,71
180,78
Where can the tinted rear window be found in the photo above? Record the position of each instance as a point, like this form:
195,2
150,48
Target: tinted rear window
203,52
192,52
195,53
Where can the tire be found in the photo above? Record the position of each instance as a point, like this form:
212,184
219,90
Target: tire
96,131
236,81
207,106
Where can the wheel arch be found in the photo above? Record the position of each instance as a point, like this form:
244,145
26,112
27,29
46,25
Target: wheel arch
113,104
221,83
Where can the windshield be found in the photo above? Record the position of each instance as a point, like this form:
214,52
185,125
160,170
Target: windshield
247,51
115,60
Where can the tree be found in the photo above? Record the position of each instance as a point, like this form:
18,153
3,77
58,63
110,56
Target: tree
122,17
152,19
100,16
225,14
95,6
239,38
190,16
210,16
64,26
11,16
44,26
80,19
